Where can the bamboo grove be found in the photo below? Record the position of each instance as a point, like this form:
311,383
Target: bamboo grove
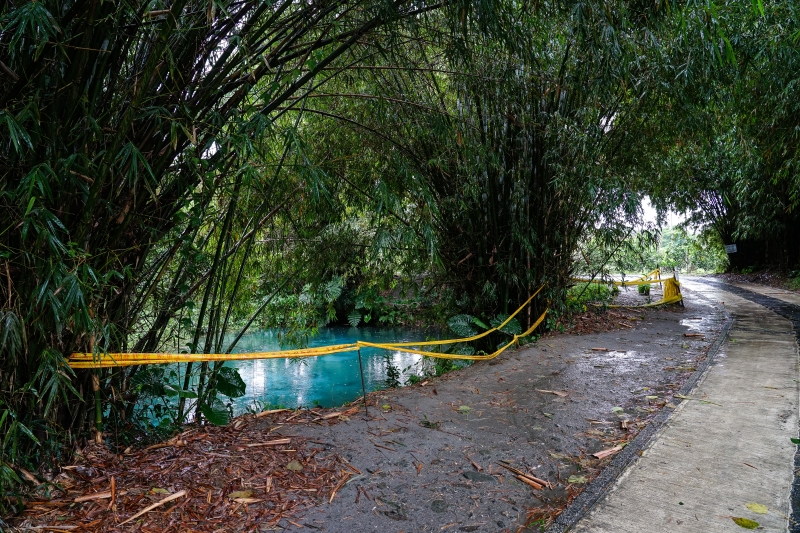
173,174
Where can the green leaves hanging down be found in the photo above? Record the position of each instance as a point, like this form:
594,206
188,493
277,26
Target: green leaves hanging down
461,325
17,133
10,333
15,428
230,383
8,476
133,162
32,26
54,379
333,288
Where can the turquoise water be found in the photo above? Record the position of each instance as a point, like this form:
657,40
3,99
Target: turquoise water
327,381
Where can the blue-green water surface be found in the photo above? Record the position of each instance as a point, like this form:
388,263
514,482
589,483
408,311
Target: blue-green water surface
328,380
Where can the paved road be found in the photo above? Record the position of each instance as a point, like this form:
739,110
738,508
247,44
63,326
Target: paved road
772,292
727,446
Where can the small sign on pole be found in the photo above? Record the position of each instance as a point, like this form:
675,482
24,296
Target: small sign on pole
730,248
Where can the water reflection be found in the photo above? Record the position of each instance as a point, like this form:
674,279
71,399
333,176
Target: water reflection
327,381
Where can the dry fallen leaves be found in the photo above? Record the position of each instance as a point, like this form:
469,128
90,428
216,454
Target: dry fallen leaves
197,480
757,508
744,522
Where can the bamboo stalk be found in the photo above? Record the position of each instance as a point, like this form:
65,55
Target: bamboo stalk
155,505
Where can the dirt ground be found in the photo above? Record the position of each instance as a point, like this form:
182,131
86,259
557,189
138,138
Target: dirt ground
772,278
501,446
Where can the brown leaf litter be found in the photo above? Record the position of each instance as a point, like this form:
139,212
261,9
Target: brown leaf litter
183,485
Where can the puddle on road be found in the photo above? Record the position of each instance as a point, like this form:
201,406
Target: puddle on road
629,354
699,324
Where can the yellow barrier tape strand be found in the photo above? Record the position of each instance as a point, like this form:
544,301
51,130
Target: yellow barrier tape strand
651,277
87,360
621,283
672,295
459,356
653,274
467,339
302,352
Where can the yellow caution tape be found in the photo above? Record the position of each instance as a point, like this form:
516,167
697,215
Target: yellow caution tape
88,360
457,356
466,339
651,278
672,287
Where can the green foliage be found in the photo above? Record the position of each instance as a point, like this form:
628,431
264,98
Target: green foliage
728,156
229,382
644,288
462,325
159,393
216,413
680,250
354,318
513,326
579,297
413,379
443,366
152,184
392,373
583,293
673,248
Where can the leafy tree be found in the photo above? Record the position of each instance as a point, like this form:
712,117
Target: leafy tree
132,139
728,157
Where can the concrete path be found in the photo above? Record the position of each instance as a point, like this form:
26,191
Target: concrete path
726,447
772,292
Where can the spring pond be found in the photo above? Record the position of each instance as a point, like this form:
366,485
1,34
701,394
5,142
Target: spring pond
327,381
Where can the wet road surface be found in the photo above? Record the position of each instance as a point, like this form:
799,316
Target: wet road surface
431,458
729,444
